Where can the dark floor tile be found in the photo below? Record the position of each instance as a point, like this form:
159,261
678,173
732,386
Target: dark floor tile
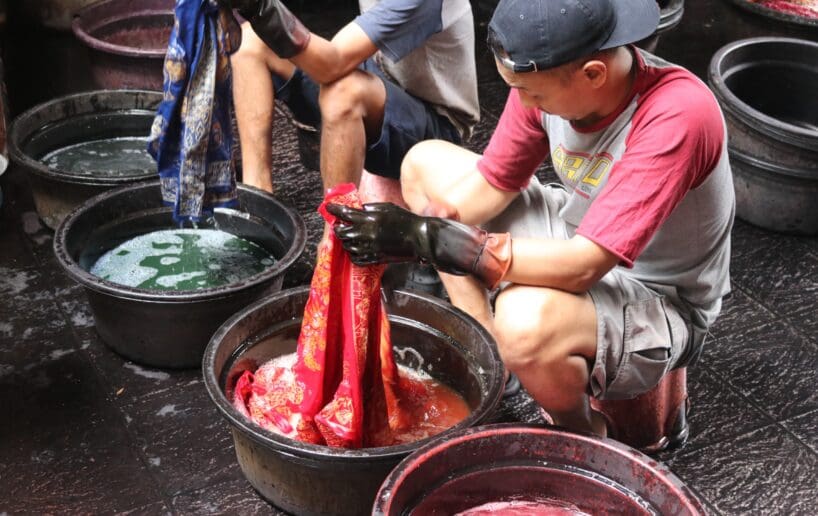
739,312
300,188
784,279
708,419
799,309
776,269
481,136
100,481
40,238
771,365
746,238
493,95
185,441
235,497
131,381
63,444
73,302
764,472
811,243
14,253
486,70
20,216
50,396
17,197
28,310
805,428
147,510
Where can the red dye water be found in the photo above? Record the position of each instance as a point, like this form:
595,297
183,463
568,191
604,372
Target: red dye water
524,508
430,406
804,8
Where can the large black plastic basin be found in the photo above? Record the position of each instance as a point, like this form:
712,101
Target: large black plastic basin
308,479
170,328
766,88
72,120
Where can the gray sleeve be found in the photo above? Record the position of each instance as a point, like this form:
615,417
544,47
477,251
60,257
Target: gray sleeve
397,27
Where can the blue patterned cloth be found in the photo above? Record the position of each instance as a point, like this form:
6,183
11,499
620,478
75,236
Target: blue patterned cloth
192,134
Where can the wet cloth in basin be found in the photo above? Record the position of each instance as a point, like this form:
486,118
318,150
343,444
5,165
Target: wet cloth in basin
344,356
192,134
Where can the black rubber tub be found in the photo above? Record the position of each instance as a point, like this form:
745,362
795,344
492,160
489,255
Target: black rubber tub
557,468
300,478
766,88
170,328
670,15
126,41
70,122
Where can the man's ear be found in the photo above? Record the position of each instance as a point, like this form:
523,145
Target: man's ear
596,72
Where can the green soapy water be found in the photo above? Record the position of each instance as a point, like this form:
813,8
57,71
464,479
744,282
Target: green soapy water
182,259
111,157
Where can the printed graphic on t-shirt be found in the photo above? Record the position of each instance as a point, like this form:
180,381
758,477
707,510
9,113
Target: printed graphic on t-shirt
581,171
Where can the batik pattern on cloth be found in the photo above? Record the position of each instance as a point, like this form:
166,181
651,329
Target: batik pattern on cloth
192,134
344,382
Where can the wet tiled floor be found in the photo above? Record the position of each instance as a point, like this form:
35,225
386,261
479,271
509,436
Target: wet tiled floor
84,431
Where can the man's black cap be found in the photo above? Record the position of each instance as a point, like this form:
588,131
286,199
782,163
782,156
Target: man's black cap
541,34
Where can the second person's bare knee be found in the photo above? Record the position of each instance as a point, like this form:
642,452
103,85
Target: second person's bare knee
346,98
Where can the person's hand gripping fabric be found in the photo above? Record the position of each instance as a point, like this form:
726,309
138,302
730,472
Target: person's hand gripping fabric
386,233
274,24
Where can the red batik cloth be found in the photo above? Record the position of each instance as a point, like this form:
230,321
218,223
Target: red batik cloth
343,385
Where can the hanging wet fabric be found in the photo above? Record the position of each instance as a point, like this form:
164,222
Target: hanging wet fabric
341,389
192,134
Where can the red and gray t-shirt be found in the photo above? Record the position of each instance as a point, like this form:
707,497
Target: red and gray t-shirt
650,183
427,48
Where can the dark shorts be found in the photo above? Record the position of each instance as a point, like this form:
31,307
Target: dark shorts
407,120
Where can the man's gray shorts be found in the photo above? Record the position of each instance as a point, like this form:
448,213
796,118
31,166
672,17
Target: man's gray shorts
641,334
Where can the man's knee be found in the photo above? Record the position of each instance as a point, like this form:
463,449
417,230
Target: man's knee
347,97
425,156
525,328
422,162
253,52
251,48
418,160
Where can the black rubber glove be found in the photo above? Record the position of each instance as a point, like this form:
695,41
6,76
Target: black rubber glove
274,24
385,233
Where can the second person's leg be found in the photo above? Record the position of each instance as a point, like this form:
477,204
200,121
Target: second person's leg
253,97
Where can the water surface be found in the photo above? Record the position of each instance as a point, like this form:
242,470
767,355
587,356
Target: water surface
182,259
110,157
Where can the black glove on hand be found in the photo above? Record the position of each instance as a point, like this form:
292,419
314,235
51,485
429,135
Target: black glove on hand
384,233
275,25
